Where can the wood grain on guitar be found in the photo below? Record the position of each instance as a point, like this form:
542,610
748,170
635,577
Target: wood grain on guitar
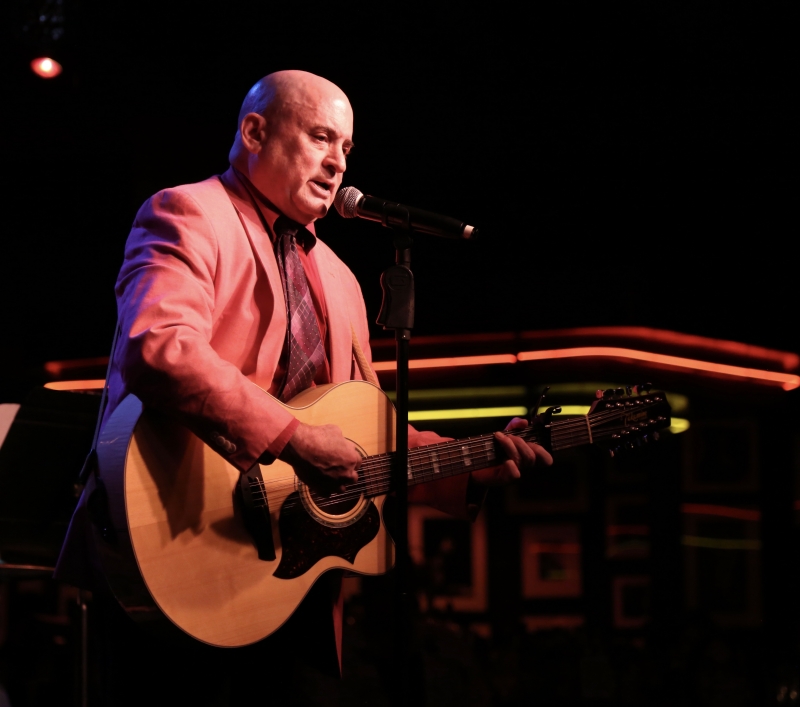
183,536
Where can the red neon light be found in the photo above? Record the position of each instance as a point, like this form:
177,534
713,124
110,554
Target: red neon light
787,382
46,67
786,360
705,509
448,362
59,368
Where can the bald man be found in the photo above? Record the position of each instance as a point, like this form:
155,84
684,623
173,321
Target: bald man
203,316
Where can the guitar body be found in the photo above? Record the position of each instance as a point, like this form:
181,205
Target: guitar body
178,545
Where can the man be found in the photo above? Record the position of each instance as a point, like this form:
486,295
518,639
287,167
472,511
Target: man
224,285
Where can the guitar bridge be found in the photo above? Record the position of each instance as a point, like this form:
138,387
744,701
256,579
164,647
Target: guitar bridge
255,511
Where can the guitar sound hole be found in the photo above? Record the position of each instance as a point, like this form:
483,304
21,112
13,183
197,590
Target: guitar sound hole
336,505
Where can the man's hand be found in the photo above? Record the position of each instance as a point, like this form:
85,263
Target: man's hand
322,458
520,455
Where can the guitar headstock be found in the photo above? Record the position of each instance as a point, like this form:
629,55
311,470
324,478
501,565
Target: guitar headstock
624,418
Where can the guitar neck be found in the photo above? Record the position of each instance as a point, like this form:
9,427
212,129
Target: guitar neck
438,461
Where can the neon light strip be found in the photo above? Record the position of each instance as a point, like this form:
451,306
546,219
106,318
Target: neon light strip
448,362
467,413
788,382
720,543
76,385
706,509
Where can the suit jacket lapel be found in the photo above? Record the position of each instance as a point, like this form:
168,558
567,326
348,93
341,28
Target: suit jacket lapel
259,239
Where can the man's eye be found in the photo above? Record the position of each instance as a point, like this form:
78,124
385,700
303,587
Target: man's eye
321,138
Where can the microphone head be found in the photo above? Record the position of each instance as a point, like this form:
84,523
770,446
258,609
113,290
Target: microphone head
346,201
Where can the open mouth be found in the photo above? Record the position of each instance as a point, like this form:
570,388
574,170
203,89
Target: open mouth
322,185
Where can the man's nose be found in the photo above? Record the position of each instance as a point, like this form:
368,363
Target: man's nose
336,159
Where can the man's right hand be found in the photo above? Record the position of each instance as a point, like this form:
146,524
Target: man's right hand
322,458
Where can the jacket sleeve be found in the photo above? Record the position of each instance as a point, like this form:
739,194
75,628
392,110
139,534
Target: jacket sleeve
165,297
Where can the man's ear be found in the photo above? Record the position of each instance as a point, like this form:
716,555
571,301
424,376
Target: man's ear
253,132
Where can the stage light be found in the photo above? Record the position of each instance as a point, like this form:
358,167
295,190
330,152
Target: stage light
46,67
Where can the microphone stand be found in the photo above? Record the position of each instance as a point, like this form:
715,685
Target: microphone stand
397,313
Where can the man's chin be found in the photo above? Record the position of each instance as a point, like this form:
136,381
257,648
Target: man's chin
312,211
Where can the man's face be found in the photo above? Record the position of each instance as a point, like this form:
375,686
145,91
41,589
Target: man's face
303,154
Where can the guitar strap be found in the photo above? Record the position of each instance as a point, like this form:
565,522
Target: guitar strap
363,366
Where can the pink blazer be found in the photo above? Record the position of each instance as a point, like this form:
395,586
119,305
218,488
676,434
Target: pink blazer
203,316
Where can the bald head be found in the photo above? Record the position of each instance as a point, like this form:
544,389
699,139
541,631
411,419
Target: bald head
295,131
279,94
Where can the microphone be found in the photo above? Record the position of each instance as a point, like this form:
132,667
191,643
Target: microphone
350,202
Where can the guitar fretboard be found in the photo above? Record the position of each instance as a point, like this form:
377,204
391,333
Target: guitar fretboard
437,461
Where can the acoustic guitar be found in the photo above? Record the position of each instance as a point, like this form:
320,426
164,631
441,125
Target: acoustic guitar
228,557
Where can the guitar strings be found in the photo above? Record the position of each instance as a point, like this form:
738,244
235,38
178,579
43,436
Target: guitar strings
376,472
378,483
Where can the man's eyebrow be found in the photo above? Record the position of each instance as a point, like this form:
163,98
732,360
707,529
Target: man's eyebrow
349,144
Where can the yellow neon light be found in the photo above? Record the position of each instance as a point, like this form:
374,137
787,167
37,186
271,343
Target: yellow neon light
467,413
574,410
720,543
678,425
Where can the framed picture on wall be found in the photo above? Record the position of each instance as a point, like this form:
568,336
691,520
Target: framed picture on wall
721,456
451,554
631,596
562,489
551,561
627,527
722,560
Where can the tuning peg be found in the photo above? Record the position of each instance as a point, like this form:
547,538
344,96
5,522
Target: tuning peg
628,389
609,393
619,392
599,394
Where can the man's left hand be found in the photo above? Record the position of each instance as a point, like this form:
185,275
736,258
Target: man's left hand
520,456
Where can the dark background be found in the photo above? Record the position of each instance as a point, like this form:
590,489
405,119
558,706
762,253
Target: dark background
628,163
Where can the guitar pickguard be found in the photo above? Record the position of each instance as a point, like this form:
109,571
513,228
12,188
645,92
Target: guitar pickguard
305,541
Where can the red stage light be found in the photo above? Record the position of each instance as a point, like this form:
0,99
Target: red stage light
46,67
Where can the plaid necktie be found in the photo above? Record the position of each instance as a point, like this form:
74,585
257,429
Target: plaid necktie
304,343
